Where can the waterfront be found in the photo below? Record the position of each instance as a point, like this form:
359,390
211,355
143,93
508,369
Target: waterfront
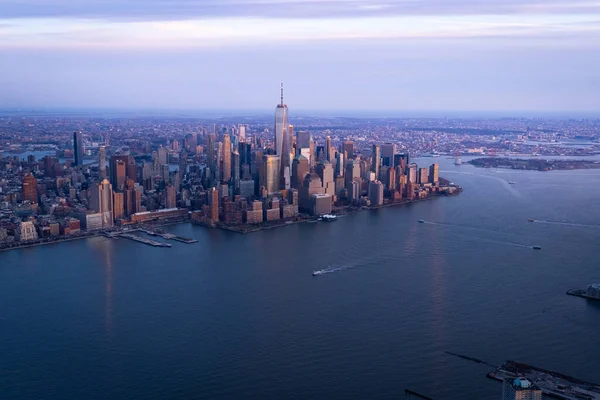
241,315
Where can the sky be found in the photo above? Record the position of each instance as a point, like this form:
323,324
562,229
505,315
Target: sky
370,55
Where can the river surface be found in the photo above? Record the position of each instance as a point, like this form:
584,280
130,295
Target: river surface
241,316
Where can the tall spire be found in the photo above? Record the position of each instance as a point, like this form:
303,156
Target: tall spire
282,93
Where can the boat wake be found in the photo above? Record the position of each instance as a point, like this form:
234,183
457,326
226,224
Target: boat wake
565,223
329,270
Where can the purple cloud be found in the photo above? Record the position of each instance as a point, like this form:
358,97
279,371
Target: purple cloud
181,9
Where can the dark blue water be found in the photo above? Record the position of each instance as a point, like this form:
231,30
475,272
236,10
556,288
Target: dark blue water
240,316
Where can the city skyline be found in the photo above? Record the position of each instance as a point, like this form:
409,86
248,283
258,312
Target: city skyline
337,55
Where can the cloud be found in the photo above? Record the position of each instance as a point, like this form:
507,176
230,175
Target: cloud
186,9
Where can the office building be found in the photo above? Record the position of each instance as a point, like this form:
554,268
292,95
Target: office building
101,201
78,147
348,149
226,158
376,193
303,145
388,150
29,191
102,162
170,197
235,172
354,191
375,160
283,145
210,151
163,158
300,168
118,206
321,204
329,150
412,173
520,389
352,173
247,188
213,198
325,172
312,185
423,176
434,173
118,173
271,173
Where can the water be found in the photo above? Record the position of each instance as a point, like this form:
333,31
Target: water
236,316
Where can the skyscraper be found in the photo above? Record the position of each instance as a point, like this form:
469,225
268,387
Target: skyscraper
118,173
348,148
101,201
329,150
376,193
118,206
303,145
210,151
78,147
226,157
520,389
102,162
434,173
271,173
375,160
423,175
283,143
388,150
300,169
170,197
162,156
281,126
235,167
214,205
29,189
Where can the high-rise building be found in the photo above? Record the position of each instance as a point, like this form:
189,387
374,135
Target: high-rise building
29,189
339,164
348,148
520,389
78,147
102,162
226,158
412,173
303,145
271,173
162,156
242,132
325,172
210,151
375,160
235,169
118,206
388,150
300,169
354,191
101,201
175,145
26,231
118,173
281,128
170,197
352,173
376,193
434,173
390,182
401,160
423,175
329,150
214,205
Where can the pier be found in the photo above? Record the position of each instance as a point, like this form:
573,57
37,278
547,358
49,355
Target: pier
169,236
144,240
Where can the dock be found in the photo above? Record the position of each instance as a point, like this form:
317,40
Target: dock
581,293
552,384
149,242
169,236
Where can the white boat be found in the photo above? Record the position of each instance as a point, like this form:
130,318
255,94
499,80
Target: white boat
512,183
316,273
457,161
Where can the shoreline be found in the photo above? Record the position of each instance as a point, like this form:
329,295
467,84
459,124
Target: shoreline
341,211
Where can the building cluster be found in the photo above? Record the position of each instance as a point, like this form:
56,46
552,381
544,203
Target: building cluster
220,175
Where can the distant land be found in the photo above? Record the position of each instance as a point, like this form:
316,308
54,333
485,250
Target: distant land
534,164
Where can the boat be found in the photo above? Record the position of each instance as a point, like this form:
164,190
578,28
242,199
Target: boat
458,161
421,221
328,218
531,220
317,273
512,182
537,247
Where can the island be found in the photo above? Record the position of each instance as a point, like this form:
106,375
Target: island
533,164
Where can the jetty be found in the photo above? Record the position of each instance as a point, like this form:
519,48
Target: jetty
149,242
552,384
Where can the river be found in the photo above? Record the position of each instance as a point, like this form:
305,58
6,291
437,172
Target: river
240,316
